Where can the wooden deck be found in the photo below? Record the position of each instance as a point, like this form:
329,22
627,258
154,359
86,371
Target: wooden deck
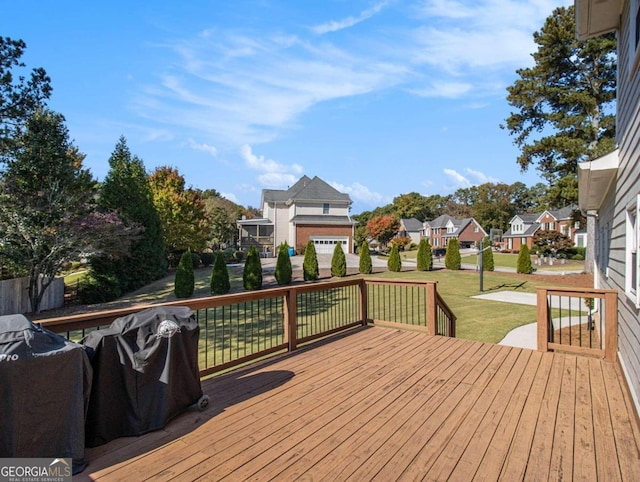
383,404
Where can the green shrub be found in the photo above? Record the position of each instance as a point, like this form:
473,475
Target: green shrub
228,255
283,272
238,256
425,256
98,289
185,280
338,262
252,273
394,263
365,266
310,269
577,257
195,260
207,258
487,255
452,258
220,284
524,260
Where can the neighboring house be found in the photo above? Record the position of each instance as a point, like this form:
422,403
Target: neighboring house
524,226
410,228
609,187
439,231
309,210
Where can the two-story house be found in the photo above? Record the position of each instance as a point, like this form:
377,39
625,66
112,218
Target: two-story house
411,228
439,231
609,187
524,226
311,209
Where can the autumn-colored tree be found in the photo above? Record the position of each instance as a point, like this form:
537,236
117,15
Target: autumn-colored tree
184,220
383,228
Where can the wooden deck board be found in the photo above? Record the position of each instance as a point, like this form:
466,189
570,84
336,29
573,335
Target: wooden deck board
383,404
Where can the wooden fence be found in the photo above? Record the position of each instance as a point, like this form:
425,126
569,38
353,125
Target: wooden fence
14,296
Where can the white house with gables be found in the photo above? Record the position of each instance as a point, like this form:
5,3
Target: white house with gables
311,209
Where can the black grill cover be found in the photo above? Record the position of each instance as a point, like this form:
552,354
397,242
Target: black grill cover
145,371
45,382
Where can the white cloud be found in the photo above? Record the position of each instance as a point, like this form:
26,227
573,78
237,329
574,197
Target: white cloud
230,196
458,179
361,193
260,163
480,177
273,175
203,147
445,89
336,25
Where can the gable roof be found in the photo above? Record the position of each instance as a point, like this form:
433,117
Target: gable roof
411,224
306,189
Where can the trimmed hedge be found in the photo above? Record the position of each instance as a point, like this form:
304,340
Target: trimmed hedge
284,271
252,273
365,266
425,256
452,259
185,280
524,261
338,262
310,269
394,263
220,284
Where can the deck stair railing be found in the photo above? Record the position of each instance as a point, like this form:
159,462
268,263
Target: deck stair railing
577,320
241,327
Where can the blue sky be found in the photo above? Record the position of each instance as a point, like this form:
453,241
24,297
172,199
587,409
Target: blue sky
376,97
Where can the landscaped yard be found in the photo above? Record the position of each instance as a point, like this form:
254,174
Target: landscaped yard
481,320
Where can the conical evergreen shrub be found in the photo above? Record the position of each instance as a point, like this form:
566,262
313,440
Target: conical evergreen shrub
425,255
220,284
394,263
310,269
338,262
185,280
524,260
487,255
452,258
283,272
365,266
252,273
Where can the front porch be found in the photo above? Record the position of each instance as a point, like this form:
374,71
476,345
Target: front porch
384,404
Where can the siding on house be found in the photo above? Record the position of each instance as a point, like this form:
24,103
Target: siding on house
611,235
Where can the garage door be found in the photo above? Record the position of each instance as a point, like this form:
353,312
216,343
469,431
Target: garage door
327,245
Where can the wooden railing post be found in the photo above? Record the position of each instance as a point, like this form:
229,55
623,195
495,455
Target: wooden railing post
611,326
542,320
290,319
432,309
364,303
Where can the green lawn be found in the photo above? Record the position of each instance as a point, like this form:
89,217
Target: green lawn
481,320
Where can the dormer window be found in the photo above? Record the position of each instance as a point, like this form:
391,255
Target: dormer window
325,208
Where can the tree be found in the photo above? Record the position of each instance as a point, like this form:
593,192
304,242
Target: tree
360,236
487,255
185,279
252,273
46,204
183,217
364,265
283,273
220,284
338,262
551,242
126,190
310,269
565,107
394,263
524,260
425,256
452,258
383,228
20,97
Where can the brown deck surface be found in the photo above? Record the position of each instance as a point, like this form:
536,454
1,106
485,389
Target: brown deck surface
382,404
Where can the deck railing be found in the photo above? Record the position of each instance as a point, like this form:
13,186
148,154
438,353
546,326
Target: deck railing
580,321
241,327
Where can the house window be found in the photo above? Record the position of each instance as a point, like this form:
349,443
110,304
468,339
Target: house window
632,238
475,229
563,228
325,208
523,241
552,226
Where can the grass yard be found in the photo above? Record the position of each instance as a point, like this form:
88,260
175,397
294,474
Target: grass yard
481,320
